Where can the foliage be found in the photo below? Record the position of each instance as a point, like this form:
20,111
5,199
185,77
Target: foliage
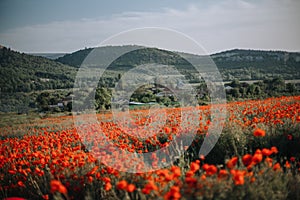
261,89
74,59
257,65
26,73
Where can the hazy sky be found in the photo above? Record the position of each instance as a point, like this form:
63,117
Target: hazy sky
69,25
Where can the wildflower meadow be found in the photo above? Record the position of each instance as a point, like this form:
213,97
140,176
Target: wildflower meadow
256,156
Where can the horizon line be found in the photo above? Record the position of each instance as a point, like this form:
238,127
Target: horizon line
211,53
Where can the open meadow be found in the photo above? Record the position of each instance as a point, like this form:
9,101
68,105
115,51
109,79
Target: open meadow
256,157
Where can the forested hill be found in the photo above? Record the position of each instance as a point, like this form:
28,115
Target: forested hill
75,59
256,64
237,63
250,58
24,77
25,73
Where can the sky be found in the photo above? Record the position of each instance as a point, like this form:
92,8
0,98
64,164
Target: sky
41,26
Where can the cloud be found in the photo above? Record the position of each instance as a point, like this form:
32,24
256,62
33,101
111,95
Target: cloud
267,24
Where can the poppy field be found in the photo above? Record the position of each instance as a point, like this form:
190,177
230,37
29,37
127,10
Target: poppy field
256,157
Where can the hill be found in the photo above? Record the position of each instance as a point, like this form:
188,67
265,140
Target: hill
256,64
23,77
21,72
74,59
25,73
233,64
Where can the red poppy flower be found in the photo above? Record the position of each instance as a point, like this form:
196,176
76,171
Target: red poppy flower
238,178
194,166
57,186
259,133
257,158
247,159
121,185
130,188
276,167
266,152
232,162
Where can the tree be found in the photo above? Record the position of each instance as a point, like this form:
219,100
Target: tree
278,84
257,90
145,99
251,90
43,101
235,92
103,98
243,91
69,106
235,83
291,88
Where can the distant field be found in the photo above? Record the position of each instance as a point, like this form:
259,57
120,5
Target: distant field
253,81
51,56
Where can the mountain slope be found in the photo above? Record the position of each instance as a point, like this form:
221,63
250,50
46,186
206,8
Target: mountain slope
25,73
240,64
253,58
255,64
76,58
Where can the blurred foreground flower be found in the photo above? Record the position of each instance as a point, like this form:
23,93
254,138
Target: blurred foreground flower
57,186
259,133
